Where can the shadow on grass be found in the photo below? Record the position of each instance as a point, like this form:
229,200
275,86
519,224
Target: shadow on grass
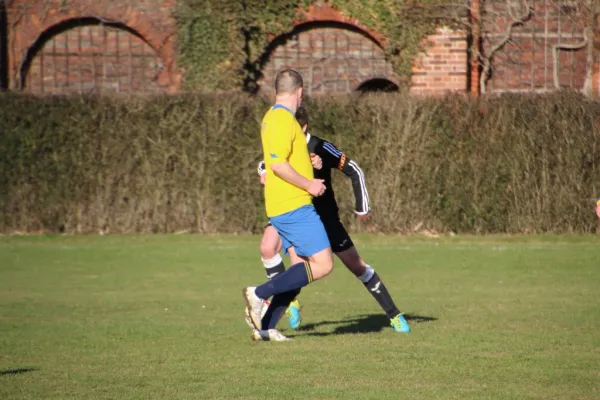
361,324
17,371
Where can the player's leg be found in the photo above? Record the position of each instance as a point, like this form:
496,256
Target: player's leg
293,310
270,246
284,302
373,283
304,230
287,302
345,250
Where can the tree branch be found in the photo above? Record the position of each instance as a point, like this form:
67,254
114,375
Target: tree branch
487,60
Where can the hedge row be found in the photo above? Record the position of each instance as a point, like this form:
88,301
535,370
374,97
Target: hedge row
187,163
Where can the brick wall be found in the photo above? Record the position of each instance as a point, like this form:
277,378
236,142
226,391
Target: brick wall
57,46
332,58
100,45
443,67
335,53
94,58
526,63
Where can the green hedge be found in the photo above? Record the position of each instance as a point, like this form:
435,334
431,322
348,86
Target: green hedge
188,163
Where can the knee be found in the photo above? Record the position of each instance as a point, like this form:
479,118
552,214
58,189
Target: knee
268,249
328,268
322,266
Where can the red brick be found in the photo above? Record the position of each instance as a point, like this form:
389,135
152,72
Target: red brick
348,61
144,18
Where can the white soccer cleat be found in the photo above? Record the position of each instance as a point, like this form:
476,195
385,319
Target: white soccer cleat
247,318
271,335
266,305
254,305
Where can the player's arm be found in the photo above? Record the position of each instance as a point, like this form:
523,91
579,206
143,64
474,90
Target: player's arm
280,148
335,158
286,172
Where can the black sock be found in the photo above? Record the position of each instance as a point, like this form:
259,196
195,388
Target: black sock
279,304
273,266
380,293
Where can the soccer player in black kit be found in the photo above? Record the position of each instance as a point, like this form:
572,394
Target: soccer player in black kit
327,157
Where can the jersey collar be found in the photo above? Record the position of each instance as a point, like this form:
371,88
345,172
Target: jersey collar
307,137
276,106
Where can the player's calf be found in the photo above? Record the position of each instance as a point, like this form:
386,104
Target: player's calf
373,283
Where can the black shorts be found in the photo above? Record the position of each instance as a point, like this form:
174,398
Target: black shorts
336,232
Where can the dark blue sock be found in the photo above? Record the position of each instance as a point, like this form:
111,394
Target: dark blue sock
278,305
295,277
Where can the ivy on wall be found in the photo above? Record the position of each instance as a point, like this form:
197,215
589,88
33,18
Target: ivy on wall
221,41
403,23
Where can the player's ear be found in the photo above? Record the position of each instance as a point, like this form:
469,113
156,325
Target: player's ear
299,94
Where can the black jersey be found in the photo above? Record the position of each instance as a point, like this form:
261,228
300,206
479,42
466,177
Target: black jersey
333,158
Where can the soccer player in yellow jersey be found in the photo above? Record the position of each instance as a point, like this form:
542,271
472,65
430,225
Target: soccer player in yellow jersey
327,157
289,188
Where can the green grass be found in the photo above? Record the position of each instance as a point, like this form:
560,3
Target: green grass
161,317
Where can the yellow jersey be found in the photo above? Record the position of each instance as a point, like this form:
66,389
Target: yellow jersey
283,140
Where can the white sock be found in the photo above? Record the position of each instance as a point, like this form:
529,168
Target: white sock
271,264
366,277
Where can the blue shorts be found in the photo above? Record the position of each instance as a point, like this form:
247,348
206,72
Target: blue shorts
303,229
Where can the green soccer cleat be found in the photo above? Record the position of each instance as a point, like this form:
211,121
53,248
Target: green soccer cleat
293,314
399,324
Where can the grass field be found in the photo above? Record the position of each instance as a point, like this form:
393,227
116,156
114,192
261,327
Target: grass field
161,317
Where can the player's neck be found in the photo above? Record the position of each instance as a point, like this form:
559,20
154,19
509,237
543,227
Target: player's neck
288,102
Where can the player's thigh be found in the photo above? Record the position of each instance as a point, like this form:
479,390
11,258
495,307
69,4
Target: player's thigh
336,233
270,243
352,260
304,230
294,258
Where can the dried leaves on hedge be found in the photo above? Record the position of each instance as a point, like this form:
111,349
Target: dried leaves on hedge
187,163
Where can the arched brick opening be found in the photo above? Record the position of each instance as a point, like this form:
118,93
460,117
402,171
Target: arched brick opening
332,56
87,55
149,19
378,85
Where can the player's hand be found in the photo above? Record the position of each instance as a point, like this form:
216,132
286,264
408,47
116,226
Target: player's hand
598,208
316,161
316,187
362,217
263,179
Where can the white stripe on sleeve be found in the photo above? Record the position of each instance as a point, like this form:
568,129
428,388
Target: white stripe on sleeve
363,187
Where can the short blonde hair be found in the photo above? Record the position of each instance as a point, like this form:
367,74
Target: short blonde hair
288,81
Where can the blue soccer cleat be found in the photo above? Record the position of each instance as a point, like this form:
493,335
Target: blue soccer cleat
293,314
399,324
